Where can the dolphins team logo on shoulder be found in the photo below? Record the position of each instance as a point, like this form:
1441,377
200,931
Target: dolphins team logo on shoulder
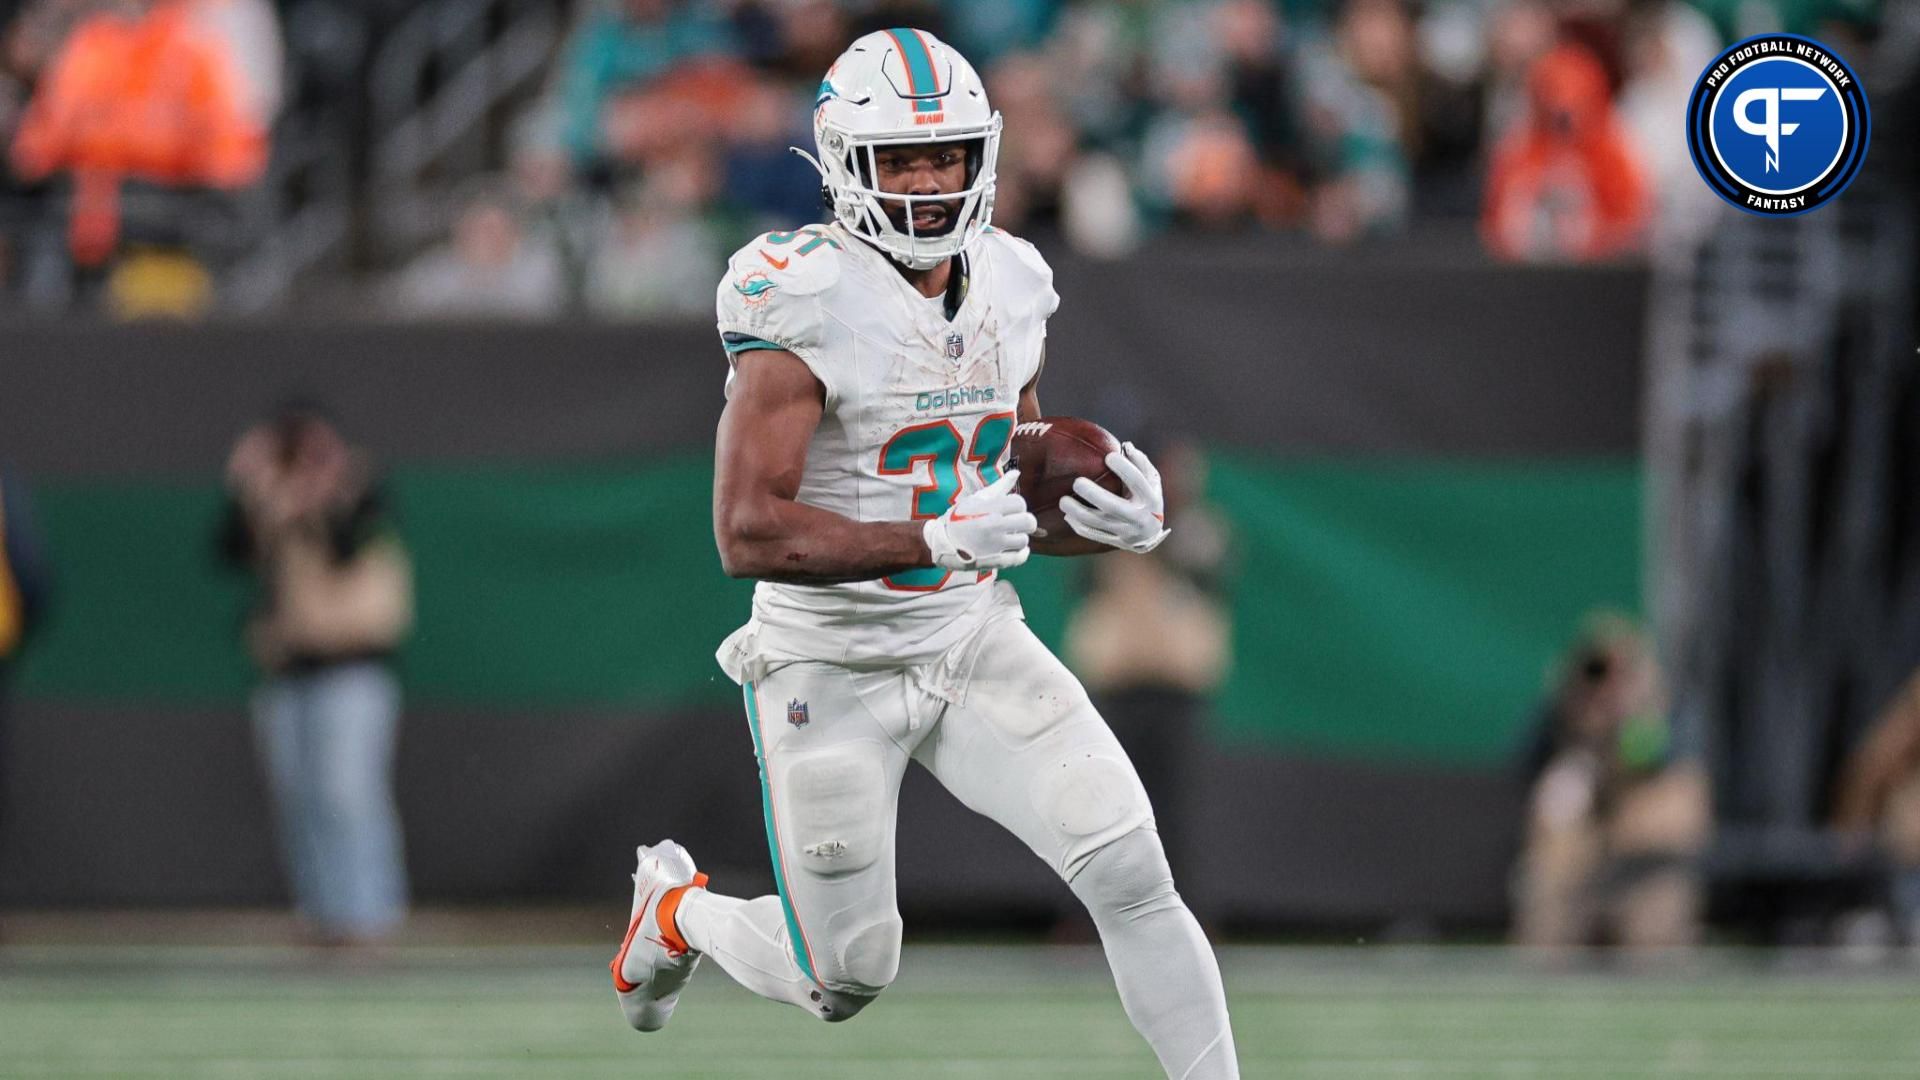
754,286
1778,125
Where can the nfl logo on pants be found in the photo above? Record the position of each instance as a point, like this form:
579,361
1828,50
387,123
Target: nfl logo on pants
797,713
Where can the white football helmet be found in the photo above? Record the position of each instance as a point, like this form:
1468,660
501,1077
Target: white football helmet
903,87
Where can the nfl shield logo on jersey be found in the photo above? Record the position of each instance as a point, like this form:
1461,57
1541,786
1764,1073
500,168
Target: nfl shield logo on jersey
797,713
956,346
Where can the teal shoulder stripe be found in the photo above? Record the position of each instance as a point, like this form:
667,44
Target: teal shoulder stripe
922,79
750,344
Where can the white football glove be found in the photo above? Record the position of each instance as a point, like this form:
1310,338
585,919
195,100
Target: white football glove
986,530
1136,521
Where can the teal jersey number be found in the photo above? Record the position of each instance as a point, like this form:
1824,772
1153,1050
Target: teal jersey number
938,443
816,238
989,442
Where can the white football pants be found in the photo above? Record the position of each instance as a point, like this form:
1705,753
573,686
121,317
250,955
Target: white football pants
1023,746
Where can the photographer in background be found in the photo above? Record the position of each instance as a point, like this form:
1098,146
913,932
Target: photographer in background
335,600
1614,822
1152,638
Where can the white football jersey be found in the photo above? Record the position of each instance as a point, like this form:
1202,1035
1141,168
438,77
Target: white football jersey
919,409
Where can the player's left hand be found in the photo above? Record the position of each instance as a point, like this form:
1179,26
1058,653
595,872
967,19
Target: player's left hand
1135,521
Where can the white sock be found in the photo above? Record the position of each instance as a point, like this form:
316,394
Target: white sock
1168,978
749,939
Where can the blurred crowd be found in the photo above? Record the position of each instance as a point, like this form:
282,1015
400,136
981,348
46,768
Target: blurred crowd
108,103
658,136
1554,123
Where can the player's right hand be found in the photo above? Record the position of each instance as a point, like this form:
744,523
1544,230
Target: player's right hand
989,529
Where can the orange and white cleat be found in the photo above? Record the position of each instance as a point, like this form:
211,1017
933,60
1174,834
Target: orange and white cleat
654,962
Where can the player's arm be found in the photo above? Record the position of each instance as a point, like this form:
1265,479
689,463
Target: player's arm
763,531
759,456
1029,408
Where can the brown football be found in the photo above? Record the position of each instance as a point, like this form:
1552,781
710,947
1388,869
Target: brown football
1054,451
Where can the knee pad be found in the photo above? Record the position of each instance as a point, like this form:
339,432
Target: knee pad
1088,800
838,800
870,957
1128,877
1087,794
859,966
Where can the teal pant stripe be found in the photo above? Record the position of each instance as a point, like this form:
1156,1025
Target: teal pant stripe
773,841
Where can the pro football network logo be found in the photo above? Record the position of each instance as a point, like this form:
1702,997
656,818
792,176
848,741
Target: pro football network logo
1778,125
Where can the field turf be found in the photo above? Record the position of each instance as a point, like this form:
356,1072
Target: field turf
1005,1013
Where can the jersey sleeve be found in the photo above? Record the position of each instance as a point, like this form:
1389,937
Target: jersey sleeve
773,297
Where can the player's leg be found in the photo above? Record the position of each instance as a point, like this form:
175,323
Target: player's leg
1028,750
829,940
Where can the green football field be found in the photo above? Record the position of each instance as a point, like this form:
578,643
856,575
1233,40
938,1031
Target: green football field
1005,1013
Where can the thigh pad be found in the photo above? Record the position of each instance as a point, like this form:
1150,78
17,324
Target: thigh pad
839,801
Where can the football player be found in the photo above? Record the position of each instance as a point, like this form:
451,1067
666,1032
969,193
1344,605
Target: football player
878,366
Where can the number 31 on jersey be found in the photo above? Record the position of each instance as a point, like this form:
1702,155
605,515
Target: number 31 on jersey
938,444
